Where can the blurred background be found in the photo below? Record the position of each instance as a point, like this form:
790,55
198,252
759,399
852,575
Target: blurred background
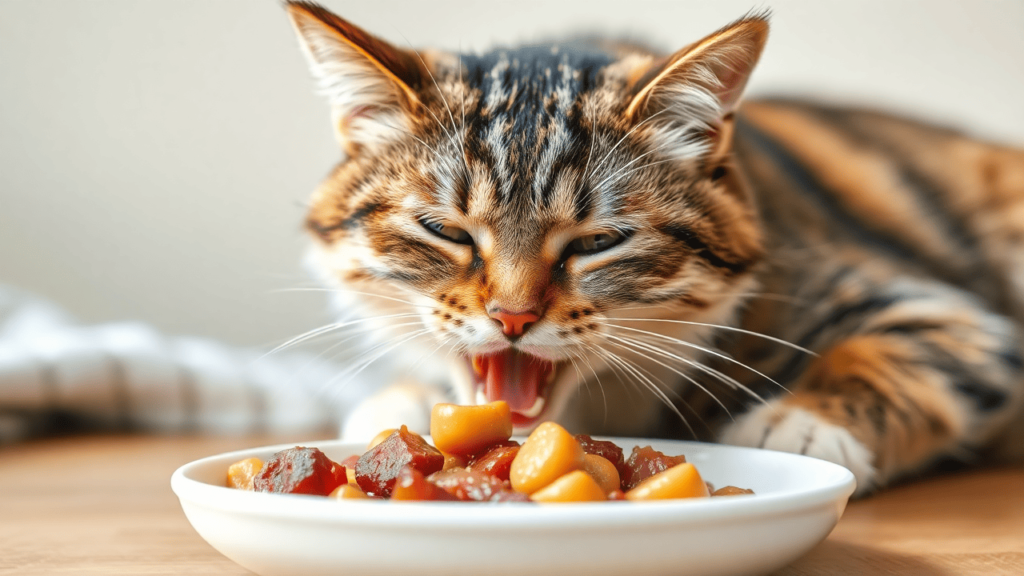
155,156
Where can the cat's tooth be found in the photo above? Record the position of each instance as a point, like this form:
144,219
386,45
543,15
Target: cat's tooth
536,409
481,398
478,366
551,376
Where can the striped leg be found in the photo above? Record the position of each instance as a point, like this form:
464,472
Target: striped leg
922,372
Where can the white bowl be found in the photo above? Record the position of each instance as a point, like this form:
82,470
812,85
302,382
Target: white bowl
797,503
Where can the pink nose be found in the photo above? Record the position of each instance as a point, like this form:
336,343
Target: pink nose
513,323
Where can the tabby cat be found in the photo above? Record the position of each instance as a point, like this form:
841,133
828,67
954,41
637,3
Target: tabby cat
603,236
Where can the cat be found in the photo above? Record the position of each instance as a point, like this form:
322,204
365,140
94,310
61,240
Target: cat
603,236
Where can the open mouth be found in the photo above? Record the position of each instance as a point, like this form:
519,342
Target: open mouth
521,380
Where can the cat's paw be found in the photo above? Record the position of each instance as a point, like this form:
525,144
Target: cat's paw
407,403
777,426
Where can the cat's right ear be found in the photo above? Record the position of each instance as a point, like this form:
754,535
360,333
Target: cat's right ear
371,85
694,92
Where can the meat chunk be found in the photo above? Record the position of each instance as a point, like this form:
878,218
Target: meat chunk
300,470
378,468
645,462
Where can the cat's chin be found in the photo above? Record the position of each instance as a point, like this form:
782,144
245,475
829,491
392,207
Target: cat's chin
524,381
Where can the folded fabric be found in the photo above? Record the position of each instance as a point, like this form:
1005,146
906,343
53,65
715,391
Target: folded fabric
55,373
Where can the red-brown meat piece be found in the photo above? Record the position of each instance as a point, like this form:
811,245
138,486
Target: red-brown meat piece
378,468
300,470
496,460
644,463
469,484
411,485
604,449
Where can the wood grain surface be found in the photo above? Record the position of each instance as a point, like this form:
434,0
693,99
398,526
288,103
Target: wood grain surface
103,505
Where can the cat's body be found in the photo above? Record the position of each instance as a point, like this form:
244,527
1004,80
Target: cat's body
896,251
593,233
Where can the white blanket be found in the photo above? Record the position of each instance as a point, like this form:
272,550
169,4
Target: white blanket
55,373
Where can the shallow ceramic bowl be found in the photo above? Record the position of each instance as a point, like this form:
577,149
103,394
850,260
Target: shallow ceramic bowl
797,503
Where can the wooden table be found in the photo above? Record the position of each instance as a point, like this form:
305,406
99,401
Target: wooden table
103,505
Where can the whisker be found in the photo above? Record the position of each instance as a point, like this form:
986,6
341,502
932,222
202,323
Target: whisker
599,353
621,140
648,165
436,87
572,360
637,159
725,357
597,381
451,138
462,106
728,380
347,338
416,363
680,373
593,139
427,69
329,328
408,290
434,151
721,327
647,307
364,364
600,386
653,388
682,400
718,375
346,291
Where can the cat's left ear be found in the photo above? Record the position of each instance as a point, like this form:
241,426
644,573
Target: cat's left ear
372,86
693,93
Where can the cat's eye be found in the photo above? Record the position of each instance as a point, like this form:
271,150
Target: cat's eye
593,243
450,233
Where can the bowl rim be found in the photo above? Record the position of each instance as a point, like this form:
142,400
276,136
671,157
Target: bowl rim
503,517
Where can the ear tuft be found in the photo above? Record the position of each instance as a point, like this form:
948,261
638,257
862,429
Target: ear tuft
697,88
370,84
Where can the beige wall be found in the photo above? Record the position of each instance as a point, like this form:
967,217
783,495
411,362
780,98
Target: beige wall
154,156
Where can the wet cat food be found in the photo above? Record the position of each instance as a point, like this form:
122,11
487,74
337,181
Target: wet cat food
474,460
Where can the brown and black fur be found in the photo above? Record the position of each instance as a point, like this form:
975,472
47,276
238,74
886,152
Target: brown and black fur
889,254
901,246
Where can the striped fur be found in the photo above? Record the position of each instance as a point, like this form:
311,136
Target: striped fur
889,249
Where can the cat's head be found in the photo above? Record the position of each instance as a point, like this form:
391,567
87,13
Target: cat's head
526,208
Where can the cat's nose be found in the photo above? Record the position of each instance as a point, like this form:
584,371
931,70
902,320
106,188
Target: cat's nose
513,324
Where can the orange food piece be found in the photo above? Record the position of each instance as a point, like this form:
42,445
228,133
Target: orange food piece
548,454
609,450
679,481
466,430
731,491
348,492
452,461
576,486
242,473
602,471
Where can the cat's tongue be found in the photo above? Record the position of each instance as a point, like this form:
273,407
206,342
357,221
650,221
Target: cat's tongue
516,378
